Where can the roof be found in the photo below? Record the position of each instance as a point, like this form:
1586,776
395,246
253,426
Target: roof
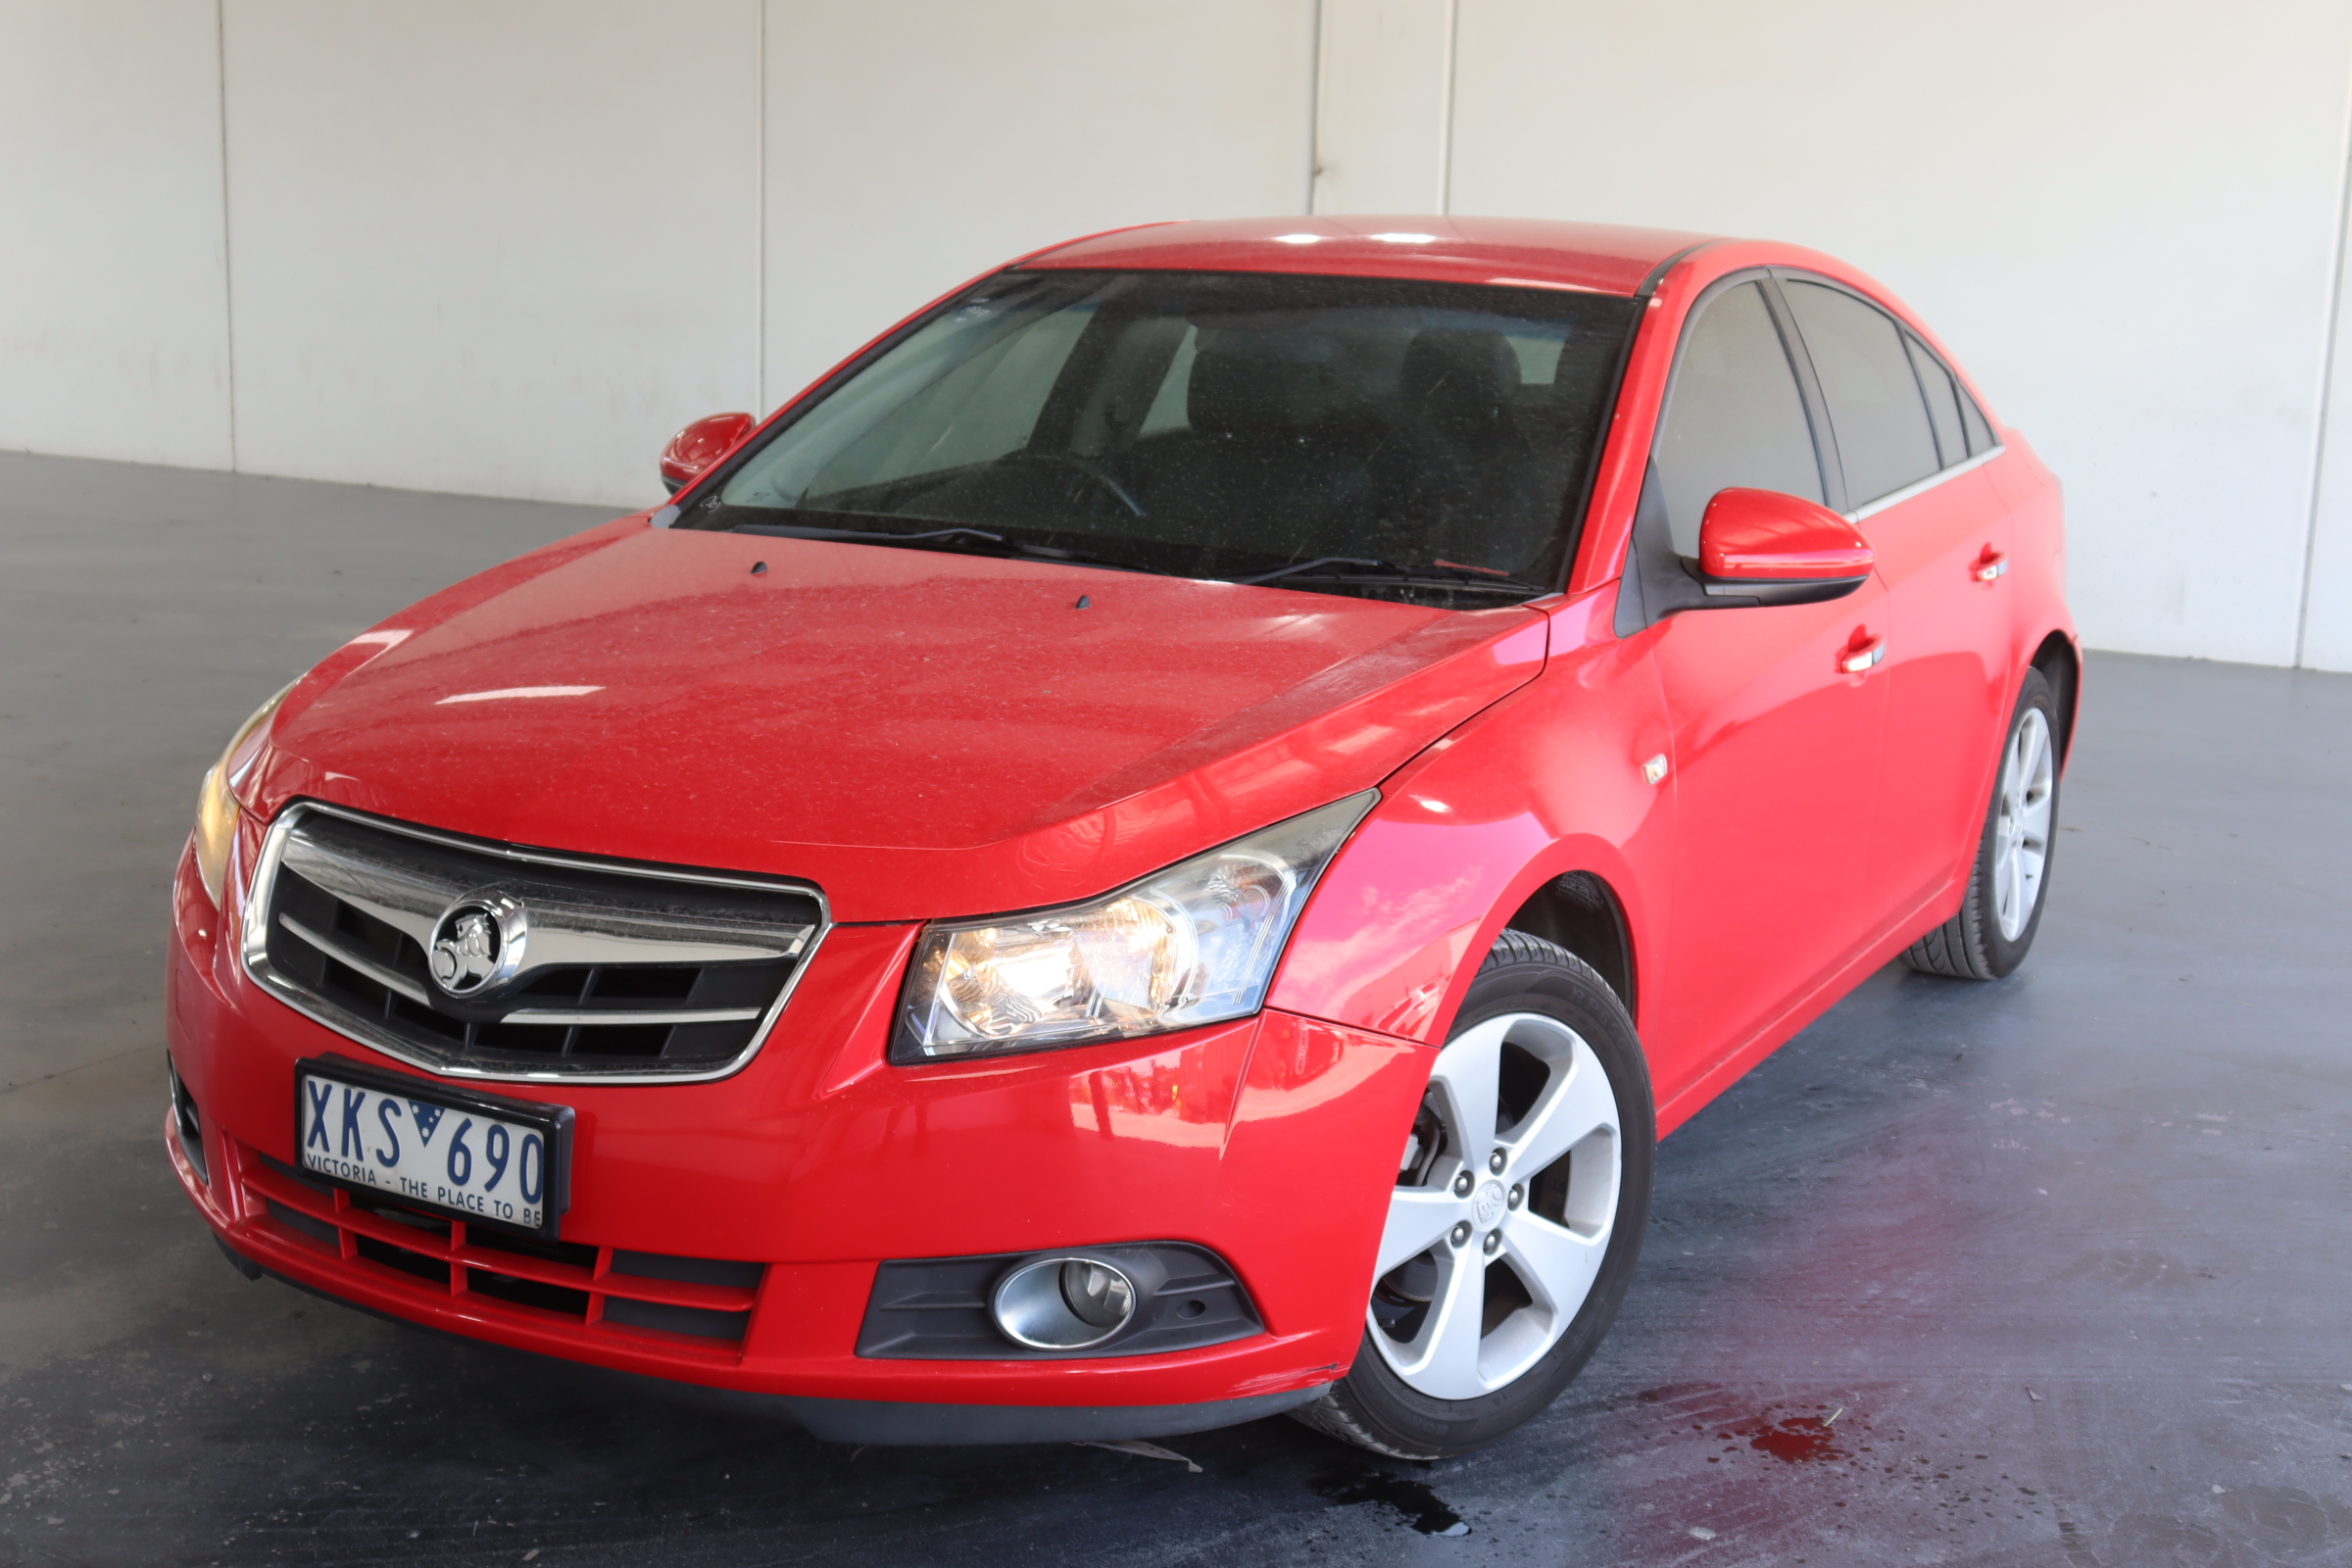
1600,258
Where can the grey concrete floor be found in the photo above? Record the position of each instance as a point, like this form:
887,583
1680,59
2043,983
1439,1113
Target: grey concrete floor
2069,1250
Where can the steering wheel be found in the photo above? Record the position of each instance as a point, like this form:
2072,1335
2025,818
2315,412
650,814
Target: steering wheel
1085,466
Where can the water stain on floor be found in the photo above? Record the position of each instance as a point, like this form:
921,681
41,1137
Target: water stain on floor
1410,1501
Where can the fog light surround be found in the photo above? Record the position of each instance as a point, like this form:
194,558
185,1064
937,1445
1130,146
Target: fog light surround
1186,1298
1069,1301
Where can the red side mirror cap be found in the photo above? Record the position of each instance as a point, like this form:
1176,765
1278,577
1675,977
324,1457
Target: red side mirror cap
1779,549
693,450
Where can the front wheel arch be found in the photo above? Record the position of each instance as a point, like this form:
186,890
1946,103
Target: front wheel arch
1581,913
1377,1407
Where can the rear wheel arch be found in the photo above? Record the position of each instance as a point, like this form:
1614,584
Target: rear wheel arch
2061,667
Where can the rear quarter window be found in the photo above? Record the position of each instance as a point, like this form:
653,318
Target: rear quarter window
1944,401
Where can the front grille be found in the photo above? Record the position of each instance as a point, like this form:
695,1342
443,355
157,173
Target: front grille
622,971
687,1304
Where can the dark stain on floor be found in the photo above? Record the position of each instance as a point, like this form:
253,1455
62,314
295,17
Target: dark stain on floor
1411,1502
1798,1438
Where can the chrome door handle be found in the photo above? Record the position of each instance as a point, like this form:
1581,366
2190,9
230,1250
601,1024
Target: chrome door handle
1992,564
1862,657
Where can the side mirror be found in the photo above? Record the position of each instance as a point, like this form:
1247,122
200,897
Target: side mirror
693,450
1779,550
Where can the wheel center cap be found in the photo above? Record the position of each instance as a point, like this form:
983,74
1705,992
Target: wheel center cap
1487,1208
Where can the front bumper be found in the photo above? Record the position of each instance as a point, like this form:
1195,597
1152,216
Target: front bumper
1269,1141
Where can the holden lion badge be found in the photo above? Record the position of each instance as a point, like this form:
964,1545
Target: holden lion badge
478,943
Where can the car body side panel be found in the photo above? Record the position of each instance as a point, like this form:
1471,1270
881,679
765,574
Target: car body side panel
1439,928
1730,1065
1948,665
1547,782
1778,753
2037,561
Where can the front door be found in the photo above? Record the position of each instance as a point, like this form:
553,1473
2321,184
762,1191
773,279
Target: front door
1775,755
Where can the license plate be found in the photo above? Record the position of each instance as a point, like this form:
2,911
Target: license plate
477,1157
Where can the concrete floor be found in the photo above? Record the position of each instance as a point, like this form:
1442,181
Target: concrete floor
2069,1250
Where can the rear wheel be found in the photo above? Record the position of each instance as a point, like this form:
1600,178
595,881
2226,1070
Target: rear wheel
1516,1218
2002,907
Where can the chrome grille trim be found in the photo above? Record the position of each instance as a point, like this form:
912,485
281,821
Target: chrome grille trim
344,955
584,1015
571,927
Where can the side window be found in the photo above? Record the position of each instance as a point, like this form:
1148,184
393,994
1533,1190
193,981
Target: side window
1944,401
1734,416
1874,406
1971,420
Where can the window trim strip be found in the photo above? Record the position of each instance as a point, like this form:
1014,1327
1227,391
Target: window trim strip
1918,487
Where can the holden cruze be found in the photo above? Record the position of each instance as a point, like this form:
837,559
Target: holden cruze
1158,848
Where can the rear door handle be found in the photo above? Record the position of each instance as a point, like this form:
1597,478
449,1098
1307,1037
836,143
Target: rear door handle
1990,565
1862,655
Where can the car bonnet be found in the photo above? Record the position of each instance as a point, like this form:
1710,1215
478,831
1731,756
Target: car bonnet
922,734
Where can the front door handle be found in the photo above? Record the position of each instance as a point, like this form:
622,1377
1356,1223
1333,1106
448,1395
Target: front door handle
1989,565
1862,653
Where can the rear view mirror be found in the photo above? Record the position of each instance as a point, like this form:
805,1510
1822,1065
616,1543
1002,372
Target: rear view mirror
1779,549
693,450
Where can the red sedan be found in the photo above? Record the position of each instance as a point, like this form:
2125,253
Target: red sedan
1159,847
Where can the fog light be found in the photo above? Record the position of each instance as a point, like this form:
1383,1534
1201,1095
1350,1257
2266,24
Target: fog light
1063,1304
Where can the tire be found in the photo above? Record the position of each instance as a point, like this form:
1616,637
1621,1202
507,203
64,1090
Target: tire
2008,881
1556,1205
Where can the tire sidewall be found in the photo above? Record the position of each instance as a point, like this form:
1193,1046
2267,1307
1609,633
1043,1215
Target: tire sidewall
1559,986
2002,956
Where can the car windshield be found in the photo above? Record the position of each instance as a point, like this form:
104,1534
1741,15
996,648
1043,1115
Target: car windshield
1426,441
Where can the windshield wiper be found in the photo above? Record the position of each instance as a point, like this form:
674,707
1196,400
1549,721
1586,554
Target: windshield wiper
890,536
1359,569
803,531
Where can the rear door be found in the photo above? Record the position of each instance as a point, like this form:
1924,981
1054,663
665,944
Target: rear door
1775,753
1911,444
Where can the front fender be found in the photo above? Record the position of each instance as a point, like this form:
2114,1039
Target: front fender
1548,780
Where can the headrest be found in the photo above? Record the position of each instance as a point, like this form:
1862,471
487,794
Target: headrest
1458,378
1250,381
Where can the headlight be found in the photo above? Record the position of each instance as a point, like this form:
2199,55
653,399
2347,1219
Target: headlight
217,800
1191,944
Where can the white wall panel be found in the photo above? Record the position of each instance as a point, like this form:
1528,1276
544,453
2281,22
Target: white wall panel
2118,218
508,248
913,143
114,340
494,248
1382,101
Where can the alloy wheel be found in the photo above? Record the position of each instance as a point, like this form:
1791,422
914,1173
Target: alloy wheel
2021,843
1503,1207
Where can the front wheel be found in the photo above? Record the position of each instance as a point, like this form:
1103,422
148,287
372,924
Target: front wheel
1517,1215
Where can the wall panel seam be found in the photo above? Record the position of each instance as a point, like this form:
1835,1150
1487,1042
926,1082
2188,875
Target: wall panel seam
760,221
228,289
1453,33
2328,340
1314,107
